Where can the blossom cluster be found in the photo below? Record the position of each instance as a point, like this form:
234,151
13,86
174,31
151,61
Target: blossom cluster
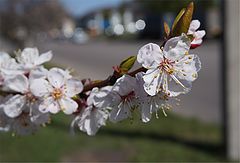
30,93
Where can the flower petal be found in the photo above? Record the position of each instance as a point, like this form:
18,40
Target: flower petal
188,67
194,25
124,85
177,86
120,112
56,77
150,55
39,72
38,117
73,87
28,56
145,112
177,47
40,87
18,83
45,57
13,107
49,105
68,105
152,79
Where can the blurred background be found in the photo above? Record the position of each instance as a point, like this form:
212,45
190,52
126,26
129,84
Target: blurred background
91,36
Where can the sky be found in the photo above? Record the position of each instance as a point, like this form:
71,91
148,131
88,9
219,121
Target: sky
81,7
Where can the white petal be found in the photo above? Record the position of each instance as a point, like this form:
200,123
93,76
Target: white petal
93,93
145,112
4,56
177,86
188,67
96,119
40,87
68,105
194,25
39,72
28,56
73,87
38,117
152,79
14,106
125,85
56,77
120,112
45,57
177,47
199,34
54,107
150,55
18,83
49,105
104,97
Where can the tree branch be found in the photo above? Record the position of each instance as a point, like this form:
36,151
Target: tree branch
110,80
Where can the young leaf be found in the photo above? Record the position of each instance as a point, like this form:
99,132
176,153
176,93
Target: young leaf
166,30
180,14
127,64
183,24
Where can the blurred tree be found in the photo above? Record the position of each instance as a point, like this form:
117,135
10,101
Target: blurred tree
22,20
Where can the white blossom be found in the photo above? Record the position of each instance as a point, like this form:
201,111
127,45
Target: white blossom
25,123
19,84
170,70
8,66
96,113
197,34
123,98
148,104
30,59
57,91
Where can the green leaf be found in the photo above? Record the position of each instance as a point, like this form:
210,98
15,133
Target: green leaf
180,14
127,64
166,30
183,24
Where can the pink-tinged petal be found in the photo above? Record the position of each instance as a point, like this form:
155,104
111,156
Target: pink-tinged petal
56,77
18,83
153,80
13,107
40,87
150,55
45,57
73,87
177,47
124,85
196,42
194,25
68,106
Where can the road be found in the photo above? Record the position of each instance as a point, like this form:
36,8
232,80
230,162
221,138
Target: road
96,58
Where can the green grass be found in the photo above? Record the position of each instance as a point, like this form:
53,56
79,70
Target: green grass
164,139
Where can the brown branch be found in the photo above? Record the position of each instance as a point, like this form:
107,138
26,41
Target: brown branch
110,80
